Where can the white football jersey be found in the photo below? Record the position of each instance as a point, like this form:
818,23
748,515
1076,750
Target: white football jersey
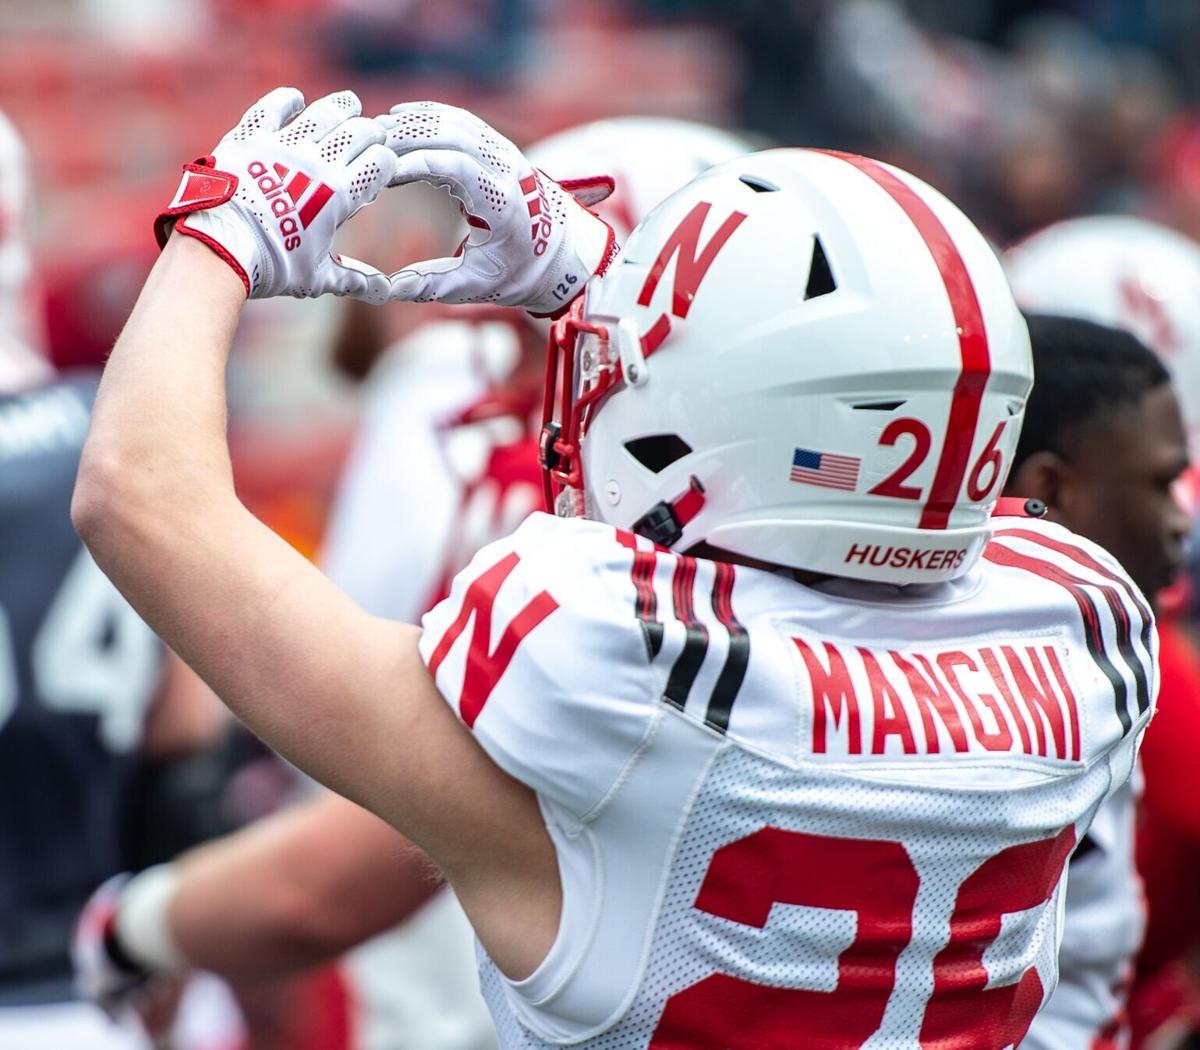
401,519
1104,924
833,816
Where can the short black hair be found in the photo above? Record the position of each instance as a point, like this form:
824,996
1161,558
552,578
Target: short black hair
1080,370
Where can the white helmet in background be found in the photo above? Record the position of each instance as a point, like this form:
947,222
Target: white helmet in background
22,364
649,158
1127,273
806,358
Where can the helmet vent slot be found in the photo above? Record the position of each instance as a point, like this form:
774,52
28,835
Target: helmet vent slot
658,451
878,406
820,276
758,185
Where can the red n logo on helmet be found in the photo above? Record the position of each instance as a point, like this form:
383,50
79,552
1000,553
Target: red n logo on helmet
693,263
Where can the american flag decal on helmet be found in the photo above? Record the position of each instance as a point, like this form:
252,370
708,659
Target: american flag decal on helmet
825,470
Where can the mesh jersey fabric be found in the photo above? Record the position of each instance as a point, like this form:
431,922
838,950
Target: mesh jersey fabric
1104,922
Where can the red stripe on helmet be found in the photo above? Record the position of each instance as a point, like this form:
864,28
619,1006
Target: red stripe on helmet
972,340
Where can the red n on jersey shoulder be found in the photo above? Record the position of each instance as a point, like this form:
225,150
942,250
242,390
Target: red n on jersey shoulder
484,665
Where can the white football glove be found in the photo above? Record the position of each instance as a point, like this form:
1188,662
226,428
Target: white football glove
103,973
275,190
532,242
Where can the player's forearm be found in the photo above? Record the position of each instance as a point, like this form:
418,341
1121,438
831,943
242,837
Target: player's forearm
293,890
156,506
155,502
156,456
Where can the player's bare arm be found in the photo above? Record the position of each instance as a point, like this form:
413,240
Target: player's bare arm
343,695
254,904
185,716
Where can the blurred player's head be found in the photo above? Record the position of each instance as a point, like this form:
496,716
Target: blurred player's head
1125,272
22,364
806,359
1103,444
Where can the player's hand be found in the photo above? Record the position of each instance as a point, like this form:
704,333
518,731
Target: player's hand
532,241
275,189
103,973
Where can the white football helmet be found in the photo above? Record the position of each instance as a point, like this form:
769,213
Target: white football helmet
806,358
1127,273
648,158
22,364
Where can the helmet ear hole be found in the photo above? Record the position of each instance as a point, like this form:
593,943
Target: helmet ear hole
658,451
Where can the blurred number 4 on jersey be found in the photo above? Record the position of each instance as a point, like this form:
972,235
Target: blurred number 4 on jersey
91,655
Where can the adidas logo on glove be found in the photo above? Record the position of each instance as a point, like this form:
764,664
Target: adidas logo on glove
284,197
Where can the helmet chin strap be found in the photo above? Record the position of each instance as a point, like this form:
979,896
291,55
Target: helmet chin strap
664,522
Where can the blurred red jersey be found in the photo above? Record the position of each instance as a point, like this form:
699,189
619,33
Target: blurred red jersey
1169,835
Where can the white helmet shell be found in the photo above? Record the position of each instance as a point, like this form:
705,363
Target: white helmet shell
1127,273
824,344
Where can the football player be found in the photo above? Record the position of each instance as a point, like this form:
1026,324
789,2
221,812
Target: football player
102,739
1103,445
785,741
1143,278
459,397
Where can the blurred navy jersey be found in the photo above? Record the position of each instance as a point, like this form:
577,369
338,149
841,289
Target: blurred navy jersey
77,672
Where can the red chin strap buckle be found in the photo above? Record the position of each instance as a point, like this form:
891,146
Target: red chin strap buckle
664,522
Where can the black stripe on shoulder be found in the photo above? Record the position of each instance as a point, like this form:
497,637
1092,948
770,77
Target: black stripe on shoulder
1120,612
646,601
695,647
733,673
1093,633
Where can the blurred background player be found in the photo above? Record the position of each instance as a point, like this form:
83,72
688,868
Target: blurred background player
461,396
105,739
1127,272
1102,446
1144,278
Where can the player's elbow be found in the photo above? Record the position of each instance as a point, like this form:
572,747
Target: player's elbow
96,495
116,505
309,930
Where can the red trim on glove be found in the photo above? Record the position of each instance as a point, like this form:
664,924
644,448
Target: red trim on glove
610,252
182,227
591,191
202,187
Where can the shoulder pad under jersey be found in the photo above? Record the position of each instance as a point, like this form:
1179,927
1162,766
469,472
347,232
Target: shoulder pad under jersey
539,651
